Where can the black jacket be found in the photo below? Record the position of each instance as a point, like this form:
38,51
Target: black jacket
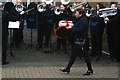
32,5
80,28
14,15
8,6
64,16
114,23
5,21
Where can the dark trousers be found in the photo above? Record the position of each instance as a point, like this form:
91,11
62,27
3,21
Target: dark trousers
44,36
18,34
77,51
96,40
4,48
113,44
61,43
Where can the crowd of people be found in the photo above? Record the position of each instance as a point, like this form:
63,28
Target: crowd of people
46,20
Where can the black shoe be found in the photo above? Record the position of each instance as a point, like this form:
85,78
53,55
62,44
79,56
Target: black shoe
65,70
38,47
115,60
57,49
47,50
88,72
4,63
97,58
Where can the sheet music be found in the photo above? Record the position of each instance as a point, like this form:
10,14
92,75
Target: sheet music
14,24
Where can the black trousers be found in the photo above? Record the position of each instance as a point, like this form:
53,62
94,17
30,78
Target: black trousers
61,43
18,34
77,51
96,40
4,48
114,44
44,36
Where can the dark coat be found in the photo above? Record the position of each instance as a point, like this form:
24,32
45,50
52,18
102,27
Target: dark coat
81,27
5,21
32,5
8,6
114,23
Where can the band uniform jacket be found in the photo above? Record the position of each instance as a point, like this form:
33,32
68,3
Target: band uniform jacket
8,6
5,20
32,5
113,24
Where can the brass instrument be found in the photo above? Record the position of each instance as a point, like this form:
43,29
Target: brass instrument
65,1
57,10
19,7
40,8
105,12
75,7
48,1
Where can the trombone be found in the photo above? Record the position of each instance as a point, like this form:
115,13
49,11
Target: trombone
75,7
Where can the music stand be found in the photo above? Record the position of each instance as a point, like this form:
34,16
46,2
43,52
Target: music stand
12,25
31,24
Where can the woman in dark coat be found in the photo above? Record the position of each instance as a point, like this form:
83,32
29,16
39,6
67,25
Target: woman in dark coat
80,46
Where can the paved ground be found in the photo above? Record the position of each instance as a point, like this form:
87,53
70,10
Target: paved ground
33,64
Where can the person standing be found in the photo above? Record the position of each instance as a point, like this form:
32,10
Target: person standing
34,6
50,17
41,27
5,21
80,47
8,6
113,30
96,30
16,16
64,15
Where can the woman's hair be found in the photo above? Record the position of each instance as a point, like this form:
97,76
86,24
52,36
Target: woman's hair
63,5
113,3
81,11
101,5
